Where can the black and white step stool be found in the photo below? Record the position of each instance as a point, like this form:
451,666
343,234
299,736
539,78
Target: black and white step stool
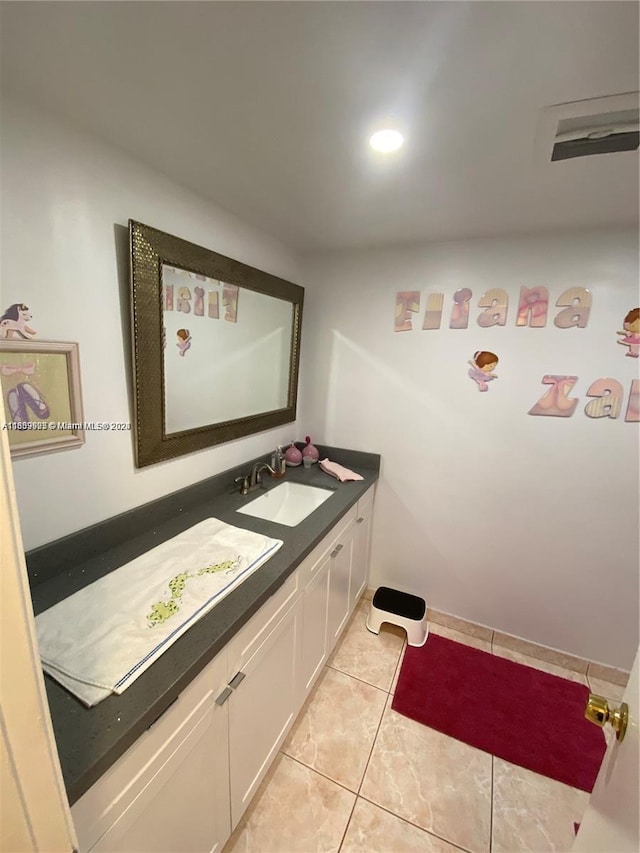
400,608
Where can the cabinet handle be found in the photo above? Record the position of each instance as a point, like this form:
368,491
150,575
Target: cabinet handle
222,698
336,550
237,678
360,520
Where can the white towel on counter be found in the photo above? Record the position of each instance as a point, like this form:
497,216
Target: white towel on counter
99,640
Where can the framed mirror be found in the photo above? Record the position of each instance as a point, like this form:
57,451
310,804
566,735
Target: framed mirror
216,346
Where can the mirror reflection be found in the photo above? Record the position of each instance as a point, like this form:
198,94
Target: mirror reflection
216,346
226,350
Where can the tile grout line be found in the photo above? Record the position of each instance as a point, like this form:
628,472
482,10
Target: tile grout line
375,737
329,779
357,794
398,667
319,773
346,828
411,823
399,817
373,744
374,687
355,678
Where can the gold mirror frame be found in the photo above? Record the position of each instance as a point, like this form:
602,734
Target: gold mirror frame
150,249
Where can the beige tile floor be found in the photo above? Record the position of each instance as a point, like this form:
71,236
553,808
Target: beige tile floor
354,775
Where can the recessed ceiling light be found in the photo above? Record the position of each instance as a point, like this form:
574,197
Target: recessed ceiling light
386,140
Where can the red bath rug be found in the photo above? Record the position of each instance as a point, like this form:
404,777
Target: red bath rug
515,712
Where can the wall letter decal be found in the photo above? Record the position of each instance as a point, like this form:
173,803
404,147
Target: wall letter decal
407,303
184,300
213,305
433,311
609,402
496,302
556,402
198,303
460,310
633,406
230,302
168,297
577,314
532,309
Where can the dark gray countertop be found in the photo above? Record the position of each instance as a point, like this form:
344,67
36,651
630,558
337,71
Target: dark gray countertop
90,740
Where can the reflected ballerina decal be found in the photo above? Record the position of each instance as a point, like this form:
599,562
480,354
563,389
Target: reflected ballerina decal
184,341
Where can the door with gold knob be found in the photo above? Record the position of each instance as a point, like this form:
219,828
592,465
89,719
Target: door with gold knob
610,822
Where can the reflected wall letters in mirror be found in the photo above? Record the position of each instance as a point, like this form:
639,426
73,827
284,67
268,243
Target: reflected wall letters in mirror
216,346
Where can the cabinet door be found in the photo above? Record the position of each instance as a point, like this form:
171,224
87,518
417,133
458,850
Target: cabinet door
314,627
185,806
361,548
262,708
164,763
339,580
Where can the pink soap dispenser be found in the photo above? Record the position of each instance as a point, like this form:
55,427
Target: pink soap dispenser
310,450
293,456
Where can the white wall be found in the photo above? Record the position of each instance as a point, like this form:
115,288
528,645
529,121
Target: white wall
66,200
526,524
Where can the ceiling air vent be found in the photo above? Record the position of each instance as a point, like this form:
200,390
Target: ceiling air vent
584,128
602,137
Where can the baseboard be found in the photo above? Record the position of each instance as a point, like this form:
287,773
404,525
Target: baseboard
524,647
534,650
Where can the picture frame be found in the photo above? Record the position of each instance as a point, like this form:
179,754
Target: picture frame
41,396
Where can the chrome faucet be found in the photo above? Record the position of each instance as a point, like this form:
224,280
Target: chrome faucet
253,481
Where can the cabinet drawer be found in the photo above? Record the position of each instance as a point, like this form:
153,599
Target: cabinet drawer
95,812
251,635
311,564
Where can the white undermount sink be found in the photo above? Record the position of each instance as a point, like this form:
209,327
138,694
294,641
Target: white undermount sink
288,503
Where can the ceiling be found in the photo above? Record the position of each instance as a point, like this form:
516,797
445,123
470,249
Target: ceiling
265,107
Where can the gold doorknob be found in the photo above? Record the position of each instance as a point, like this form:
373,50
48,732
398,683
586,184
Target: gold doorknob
599,712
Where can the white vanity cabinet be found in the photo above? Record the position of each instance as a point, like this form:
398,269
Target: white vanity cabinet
154,799
361,548
264,702
176,811
314,651
185,783
340,560
333,578
325,598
